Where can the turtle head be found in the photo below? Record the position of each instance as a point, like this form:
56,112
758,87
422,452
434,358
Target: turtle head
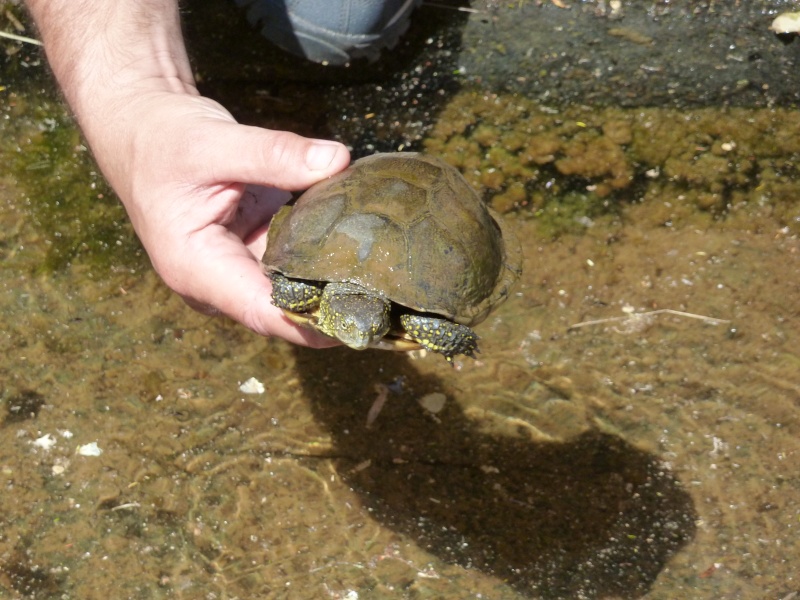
353,315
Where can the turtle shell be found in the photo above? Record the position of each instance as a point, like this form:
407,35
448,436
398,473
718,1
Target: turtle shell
405,225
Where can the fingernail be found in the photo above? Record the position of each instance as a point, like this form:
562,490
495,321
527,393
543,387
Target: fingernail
320,156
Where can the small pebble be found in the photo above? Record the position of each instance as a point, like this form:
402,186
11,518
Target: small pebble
786,23
252,386
433,402
90,449
46,442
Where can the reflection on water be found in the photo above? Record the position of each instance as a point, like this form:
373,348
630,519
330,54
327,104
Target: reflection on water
639,456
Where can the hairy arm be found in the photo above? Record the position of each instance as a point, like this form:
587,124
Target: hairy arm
179,161
108,42
107,53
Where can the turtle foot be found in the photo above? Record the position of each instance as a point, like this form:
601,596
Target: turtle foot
440,335
293,295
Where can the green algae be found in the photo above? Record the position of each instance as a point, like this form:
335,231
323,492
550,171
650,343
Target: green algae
58,192
63,196
569,166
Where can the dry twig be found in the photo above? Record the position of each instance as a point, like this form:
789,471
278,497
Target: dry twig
633,317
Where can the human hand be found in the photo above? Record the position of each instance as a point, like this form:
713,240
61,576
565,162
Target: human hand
180,164
178,161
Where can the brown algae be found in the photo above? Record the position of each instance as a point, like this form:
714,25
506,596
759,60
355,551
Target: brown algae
580,162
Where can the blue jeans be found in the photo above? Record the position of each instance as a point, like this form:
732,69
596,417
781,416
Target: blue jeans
331,31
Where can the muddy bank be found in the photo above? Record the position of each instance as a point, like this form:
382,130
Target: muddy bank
641,53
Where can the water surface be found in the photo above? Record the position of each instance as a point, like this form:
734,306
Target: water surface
630,429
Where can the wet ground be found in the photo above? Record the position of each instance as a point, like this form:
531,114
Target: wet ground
630,429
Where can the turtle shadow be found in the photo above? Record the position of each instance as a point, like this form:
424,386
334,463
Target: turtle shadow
591,517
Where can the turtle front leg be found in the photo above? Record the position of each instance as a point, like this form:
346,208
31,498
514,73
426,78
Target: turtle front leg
440,335
293,295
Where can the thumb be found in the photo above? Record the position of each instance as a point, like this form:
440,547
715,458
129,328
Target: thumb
238,288
280,159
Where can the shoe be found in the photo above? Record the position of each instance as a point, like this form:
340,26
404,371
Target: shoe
331,31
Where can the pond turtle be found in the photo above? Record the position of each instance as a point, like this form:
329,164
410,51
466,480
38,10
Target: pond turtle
395,252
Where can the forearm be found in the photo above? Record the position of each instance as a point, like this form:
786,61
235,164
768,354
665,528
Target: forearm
104,53
97,47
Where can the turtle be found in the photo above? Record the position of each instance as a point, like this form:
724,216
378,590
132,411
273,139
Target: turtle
396,252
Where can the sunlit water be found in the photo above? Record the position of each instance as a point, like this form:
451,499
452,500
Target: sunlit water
629,430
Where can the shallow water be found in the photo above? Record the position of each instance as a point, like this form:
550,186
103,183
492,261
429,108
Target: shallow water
630,429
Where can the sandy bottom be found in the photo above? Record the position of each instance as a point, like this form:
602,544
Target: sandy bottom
652,454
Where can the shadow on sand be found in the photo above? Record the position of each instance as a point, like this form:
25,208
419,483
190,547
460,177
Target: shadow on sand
589,517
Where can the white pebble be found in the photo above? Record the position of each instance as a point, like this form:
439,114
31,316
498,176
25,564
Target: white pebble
252,386
46,442
90,449
786,23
